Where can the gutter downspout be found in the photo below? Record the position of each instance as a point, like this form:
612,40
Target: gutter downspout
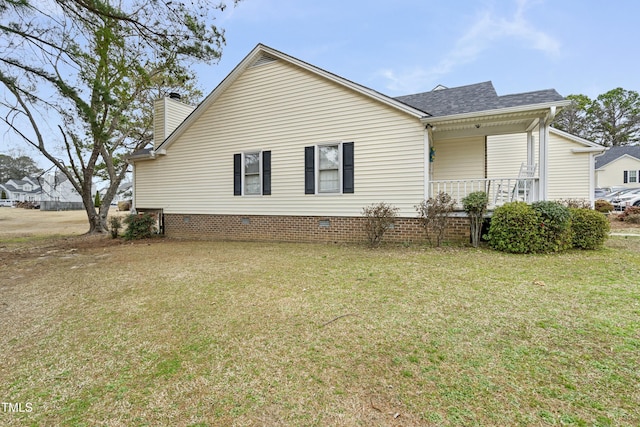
133,188
428,136
592,173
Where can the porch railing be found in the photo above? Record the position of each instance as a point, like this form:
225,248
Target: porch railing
499,190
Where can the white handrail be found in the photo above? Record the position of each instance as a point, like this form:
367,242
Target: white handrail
499,190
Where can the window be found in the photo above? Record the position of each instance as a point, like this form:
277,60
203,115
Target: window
252,173
333,170
631,176
328,169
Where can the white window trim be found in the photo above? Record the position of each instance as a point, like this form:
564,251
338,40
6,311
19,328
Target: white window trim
317,169
244,174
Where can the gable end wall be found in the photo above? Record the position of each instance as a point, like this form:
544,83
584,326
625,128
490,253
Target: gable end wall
282,108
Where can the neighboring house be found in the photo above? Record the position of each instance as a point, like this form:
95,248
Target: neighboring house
51,191
284,150
123,193
619,167
58,193
26,189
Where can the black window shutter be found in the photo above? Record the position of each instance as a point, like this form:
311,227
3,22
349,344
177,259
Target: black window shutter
237,174
347,167
266,173
625,179
309,170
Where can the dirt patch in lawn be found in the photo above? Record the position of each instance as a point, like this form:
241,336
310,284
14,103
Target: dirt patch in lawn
28,233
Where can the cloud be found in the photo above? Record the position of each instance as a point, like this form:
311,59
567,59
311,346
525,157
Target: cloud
488,30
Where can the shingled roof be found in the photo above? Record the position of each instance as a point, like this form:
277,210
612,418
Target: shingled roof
614,153
473,98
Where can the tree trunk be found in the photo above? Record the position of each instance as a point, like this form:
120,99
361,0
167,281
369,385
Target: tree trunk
97,223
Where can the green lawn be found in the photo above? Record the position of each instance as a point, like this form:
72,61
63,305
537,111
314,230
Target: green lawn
217,333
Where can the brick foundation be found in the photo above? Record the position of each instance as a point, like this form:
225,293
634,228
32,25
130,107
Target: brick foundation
301,228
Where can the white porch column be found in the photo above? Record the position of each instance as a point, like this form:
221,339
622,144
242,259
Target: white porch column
427,166
531,147
543,157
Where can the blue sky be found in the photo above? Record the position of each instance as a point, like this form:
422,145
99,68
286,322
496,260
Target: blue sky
400,47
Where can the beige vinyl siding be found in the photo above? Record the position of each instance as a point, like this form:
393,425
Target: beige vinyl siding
505,155
283,108
458,159
569,172
168,114
158,121
612,173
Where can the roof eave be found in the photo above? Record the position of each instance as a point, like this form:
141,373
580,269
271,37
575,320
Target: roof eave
496,112
588,150
140,157
249,59
590,144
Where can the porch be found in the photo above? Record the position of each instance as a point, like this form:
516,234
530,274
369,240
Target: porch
463,160
499,190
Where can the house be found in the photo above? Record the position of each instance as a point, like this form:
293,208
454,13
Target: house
51,191
58,193
123,193
26,189
618,167
283,150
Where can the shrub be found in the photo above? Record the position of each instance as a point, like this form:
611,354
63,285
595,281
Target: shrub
378,218
603,206
124,206
115,224
96,200
555,226
475,205
515,228
140,226
434,215
628,212
590,228
632,219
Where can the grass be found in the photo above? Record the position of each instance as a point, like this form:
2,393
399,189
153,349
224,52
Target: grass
218,333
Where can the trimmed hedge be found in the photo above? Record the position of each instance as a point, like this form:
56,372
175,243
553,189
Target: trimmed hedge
544,227
590,228
555,226
515,228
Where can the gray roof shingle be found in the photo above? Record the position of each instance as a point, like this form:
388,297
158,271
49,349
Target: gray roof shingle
614,153
473,98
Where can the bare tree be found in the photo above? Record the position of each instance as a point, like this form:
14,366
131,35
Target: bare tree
80,79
